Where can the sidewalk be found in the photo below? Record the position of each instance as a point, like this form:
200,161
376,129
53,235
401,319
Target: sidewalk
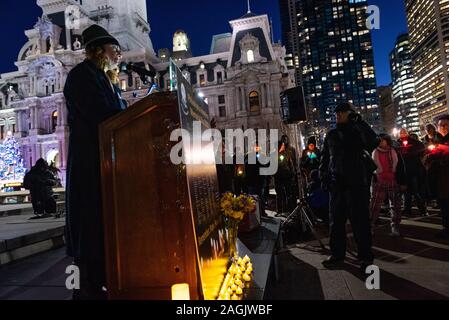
21,237
40,277
412,267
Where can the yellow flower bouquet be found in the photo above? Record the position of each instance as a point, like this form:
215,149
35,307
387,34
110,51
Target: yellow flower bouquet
234,209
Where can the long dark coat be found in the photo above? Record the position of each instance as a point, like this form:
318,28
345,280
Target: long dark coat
90,101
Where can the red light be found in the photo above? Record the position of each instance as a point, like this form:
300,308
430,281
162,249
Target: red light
405,143
432,147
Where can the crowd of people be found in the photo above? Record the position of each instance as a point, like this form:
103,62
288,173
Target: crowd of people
362,171
356,174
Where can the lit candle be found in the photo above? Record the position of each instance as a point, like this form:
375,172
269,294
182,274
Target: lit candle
239,291
180,292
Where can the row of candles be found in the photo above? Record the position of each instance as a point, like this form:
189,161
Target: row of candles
237,279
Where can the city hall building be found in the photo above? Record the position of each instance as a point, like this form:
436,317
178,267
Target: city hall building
241,79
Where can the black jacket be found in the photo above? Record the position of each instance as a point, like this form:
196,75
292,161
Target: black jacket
412,153
342,161
40,183
91,100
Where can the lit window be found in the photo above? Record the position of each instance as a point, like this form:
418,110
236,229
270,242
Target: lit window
54,121
250,56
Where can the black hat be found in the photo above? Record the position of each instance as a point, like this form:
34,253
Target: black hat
311,140
96,35
346,106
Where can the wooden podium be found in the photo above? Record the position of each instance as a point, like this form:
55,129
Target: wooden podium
152,238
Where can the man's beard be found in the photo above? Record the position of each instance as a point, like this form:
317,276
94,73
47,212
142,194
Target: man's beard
111,65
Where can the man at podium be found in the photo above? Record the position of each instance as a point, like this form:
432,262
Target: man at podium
91,99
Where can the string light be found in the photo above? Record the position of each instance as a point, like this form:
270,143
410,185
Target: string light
11,160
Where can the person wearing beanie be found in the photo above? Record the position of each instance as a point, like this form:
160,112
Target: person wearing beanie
345,170
91,99
310,159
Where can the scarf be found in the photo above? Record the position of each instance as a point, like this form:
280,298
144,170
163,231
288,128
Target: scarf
392,155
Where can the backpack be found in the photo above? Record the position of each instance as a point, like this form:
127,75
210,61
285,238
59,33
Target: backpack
27,180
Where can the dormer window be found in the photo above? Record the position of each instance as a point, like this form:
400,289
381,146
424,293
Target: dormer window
202,80
250,50
250,56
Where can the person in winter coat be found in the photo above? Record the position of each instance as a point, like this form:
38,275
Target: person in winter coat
413,151
387,180
437,163
40,181
310,159
91,99
346,168
285,179
432,136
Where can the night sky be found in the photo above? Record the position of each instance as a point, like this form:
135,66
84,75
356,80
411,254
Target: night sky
201,19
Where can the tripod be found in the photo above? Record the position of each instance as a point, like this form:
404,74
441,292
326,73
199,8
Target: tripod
305,214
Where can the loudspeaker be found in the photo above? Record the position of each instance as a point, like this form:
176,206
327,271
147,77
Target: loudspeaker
293,105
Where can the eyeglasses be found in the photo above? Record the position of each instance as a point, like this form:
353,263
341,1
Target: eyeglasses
115,48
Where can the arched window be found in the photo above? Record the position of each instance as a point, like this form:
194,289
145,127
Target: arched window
254,102
54,121
250,56
48,44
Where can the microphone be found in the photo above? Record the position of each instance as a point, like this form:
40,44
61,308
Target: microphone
128,67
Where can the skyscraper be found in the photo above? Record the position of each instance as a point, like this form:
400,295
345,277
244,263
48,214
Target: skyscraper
335,55
404,85
429,46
